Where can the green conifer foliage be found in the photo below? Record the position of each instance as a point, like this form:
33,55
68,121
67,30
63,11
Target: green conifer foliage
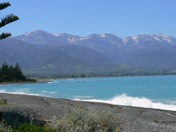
6,20
10,73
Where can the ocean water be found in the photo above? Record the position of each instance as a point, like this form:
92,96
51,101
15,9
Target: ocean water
157,92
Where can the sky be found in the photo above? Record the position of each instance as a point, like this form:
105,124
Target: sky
84,17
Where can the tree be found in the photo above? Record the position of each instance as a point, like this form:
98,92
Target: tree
10,73
5,72
19,73
6,20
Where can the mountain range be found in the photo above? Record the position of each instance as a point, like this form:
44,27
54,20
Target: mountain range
41,52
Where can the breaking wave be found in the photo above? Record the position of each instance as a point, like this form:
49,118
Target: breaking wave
134,101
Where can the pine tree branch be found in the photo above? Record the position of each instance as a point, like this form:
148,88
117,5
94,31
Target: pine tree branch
4,5
4,35
8,19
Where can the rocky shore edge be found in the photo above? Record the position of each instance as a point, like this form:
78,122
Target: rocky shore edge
44,109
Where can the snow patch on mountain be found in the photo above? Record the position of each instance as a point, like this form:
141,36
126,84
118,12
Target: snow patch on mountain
135,39
64,38
27,33
57,35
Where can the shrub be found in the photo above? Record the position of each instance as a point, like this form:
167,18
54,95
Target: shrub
3,101
30,128
84,121
5,128
14,119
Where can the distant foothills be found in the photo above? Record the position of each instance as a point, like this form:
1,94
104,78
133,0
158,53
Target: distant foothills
40,53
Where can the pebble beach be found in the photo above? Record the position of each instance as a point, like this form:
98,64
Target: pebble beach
133,119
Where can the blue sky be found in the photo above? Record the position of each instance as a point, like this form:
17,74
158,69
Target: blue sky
84,17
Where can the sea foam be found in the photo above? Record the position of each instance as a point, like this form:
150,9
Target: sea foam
20,92
126,100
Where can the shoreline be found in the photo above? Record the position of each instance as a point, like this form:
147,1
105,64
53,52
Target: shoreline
46,80
27,82
152,105
133,119
88,101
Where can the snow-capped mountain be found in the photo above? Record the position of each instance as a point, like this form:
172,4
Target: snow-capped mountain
43,37
142,39
143,51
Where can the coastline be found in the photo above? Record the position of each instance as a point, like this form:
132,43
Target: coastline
133,119
27,82
46,80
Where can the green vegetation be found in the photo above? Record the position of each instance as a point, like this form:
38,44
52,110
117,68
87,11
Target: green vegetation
85,121
3,102
11,74
6,20
30,128
20,121
73,121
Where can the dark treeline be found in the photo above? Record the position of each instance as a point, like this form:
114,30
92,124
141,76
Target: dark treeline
11,73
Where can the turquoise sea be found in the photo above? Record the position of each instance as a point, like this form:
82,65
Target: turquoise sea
150,91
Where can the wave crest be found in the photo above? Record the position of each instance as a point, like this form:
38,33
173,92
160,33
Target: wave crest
135,102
